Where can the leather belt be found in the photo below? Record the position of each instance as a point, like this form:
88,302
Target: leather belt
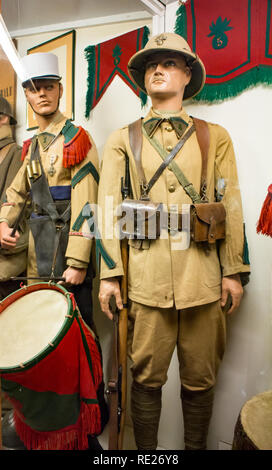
171,221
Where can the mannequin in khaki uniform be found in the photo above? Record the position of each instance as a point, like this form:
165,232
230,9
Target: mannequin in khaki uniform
75,179
178,294
13,263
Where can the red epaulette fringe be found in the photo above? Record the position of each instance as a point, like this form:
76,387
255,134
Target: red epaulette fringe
26,145
76,150
264,225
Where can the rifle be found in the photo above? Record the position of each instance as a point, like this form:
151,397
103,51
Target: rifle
117,384
20,216
122,343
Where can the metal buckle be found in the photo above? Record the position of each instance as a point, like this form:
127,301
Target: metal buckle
144,189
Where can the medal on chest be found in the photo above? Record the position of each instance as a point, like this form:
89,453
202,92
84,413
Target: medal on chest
52,160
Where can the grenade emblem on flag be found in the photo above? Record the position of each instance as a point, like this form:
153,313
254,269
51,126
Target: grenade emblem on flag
117,52
218,30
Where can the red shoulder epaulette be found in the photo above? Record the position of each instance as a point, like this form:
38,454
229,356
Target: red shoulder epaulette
26,145
75,151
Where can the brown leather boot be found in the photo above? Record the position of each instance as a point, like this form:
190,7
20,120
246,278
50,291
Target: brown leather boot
197,411
145,414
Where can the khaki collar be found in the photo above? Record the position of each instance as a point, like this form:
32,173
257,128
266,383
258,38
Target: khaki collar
47,136
178,120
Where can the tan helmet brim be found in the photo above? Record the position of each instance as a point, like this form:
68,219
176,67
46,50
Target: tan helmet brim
136,69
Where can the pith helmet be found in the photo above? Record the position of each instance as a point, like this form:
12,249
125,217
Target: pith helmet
40,65
168,42
5,108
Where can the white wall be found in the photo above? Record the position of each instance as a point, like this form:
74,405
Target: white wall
247,366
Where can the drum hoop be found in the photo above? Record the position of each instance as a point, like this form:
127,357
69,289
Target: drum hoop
60,335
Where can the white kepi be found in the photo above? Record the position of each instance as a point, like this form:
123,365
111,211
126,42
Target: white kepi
40,65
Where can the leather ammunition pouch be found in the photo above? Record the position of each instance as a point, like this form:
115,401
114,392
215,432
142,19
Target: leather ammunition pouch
142,219
207,222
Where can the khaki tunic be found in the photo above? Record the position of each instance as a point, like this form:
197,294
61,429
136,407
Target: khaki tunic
10,160
12,262
85,191
164,275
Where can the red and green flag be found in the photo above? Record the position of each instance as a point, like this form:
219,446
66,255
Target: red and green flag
110,58
233,39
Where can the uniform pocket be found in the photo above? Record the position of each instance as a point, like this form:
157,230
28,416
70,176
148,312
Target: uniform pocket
137,264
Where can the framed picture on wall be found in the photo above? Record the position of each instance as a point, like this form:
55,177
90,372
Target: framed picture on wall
64,48
8,80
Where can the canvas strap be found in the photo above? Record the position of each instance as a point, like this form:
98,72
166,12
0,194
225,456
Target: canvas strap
42,197
136,132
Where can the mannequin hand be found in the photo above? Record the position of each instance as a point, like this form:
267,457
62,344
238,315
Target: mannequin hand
231,285
74,276
108,288
7,242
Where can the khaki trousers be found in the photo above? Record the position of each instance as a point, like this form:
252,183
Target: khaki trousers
198,332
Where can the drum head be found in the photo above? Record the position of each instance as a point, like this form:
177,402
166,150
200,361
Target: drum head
29,325
256,419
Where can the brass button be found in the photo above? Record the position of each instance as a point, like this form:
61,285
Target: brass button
171,188
169,128
169,148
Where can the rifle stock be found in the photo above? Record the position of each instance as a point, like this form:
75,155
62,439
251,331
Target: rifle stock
113,392
117,384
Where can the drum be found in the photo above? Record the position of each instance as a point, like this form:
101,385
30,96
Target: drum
50,368
253,430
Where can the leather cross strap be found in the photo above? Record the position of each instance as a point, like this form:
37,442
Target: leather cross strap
169,158
136,143
203,137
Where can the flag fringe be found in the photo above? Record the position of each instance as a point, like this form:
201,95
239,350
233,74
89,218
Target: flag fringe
91,76
260,75
70,438
181,22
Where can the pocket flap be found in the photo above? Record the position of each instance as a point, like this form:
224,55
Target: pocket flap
143,209
210,211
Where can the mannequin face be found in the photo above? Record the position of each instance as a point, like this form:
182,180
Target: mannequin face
4,120
166,76
44,98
